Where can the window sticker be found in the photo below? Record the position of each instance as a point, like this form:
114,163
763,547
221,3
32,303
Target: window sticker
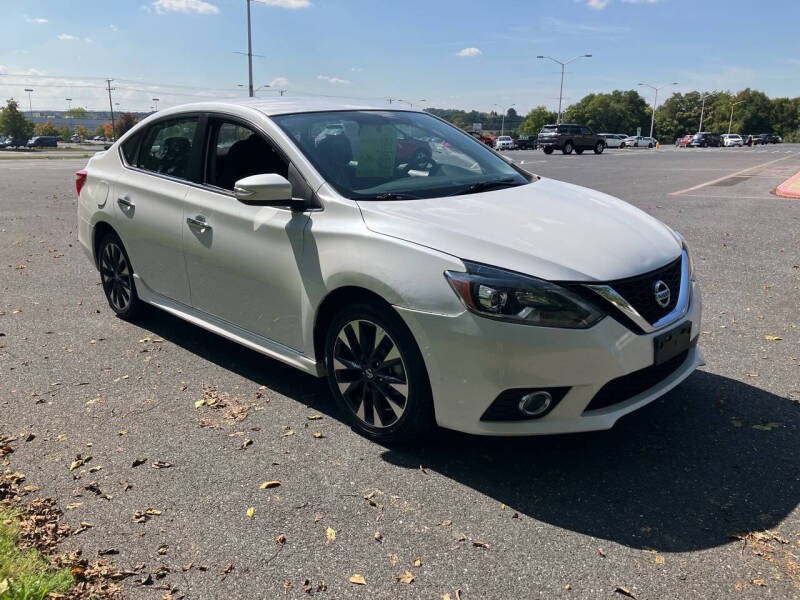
377,151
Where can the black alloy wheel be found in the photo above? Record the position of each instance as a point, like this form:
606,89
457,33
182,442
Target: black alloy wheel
116,275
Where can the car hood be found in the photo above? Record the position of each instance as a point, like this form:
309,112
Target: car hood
548,229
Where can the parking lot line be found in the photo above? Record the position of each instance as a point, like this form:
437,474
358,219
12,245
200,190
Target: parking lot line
718,179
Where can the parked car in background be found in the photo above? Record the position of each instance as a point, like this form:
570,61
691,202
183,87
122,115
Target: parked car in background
732,139
504,142
422,297
527,142
482,137
705,139
42,141
568,137
10,142
638,141
684,141
769,138
613,140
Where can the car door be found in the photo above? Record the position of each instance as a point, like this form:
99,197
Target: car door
587,137
148,203
242,260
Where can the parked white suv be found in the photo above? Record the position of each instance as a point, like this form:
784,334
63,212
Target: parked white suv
428,283
504,142
732,139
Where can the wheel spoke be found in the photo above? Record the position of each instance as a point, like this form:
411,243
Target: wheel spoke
352,341
366,338
384,347
395,406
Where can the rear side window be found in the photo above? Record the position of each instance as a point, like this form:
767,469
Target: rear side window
167,147
585,131
130,147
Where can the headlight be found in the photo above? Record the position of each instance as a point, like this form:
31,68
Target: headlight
508,296
685,247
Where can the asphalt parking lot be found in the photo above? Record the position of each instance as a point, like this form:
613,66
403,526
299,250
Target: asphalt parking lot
694,496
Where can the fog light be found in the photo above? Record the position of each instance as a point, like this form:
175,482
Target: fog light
535,403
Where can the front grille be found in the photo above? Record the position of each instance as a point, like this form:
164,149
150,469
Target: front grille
638,291
626,387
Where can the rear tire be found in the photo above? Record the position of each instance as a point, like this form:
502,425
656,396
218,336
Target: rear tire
568,147
599,147
548,150
650,145
116,275
377,374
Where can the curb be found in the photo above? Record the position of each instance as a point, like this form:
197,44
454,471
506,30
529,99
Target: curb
783,189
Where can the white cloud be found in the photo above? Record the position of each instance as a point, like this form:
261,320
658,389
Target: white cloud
641,1
37,20
597,4
356,69
3,69
334,80
66,36
113,27
279,82
286,3
469,52
199,7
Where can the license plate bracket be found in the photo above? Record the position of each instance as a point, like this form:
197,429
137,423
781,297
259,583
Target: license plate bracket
671,343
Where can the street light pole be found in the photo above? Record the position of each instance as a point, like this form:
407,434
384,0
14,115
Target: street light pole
69,104
730,122
503,122
111,106
30,103
655,101
563,69
251,93
156,103
702,110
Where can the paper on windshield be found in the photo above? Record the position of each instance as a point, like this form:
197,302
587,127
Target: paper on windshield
377,152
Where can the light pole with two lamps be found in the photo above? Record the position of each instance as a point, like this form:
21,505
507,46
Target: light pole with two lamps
503,122
30,103
655,101
730,122
563,68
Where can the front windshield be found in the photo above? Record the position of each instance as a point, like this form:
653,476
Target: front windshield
395,155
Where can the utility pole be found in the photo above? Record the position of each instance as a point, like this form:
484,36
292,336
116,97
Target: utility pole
655,101
563,68
251,93
702,110
156,103
503,123
69,104
730,123
111,106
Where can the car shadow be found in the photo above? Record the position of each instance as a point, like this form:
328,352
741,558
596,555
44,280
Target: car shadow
713,458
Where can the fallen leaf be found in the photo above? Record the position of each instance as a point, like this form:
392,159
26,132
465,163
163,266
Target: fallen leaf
417,562
160,464
288,433
659,560
772,338
330,534
624,592
246,443
75,464
568,587
199,403
152,511
318,435
406,577
758,582
281,539
480,544
273,483
601,552
768,427
162,549
358,579
446,523
139,461
251,512
73,505
314,417
378,537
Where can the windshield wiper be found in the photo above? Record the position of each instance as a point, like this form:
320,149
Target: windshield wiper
482,186
396,196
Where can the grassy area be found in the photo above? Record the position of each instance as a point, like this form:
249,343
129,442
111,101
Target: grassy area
24,573
35,157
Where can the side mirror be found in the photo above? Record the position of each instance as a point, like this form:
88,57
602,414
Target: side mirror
268,189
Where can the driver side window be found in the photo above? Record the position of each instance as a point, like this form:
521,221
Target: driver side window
236,152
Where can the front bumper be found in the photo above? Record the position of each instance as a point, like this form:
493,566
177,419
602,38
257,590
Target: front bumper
471,360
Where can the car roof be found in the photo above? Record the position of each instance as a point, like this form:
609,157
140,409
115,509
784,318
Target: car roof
281,105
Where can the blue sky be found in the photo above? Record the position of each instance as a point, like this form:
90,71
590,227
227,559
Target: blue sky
461,54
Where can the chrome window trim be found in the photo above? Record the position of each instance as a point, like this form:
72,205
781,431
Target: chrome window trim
680,310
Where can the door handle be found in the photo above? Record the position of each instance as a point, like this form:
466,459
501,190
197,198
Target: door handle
199,223
125,202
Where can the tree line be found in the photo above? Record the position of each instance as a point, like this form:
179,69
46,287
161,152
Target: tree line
623,111
13,123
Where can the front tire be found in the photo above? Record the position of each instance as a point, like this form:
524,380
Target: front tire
116,275
377,375
567,149
548,149
599,147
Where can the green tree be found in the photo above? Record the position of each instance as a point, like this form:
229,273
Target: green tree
65,131
82,131
13,123
76,113
536,118
617,112
100,130
45,129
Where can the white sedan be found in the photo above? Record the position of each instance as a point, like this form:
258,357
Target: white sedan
458,290
638,141
732,139
613,140
504,142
